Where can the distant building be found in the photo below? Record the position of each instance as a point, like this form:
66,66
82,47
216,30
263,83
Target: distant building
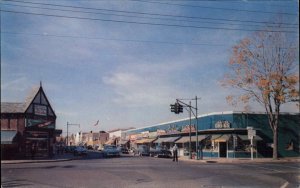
27,126
116,136
95,139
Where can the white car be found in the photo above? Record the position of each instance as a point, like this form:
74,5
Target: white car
80,150
111,151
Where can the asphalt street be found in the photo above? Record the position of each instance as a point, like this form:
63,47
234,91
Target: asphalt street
138,172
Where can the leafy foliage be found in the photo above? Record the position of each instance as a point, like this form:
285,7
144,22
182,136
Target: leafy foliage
264,67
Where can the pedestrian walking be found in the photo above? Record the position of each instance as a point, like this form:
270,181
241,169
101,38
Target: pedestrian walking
32,150
57,149
175,153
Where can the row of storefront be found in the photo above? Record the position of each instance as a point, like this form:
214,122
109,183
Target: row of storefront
222,134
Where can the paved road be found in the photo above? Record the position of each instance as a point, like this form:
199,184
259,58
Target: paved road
139,172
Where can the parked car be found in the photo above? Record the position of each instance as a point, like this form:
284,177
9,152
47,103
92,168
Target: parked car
124,151
160,152
110,151
80,150
143,150
69,149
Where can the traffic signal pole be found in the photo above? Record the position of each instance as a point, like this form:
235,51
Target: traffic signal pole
178,108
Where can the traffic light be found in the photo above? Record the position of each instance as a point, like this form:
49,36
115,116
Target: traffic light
180,108
173,107
176,108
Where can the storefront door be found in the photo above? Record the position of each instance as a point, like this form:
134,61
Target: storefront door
222,149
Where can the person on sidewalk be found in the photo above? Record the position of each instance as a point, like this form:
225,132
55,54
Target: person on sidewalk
33,150
175,153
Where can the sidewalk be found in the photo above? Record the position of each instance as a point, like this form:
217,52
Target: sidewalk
240,160
56,158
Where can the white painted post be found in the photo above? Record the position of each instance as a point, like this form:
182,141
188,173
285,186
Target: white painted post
252,148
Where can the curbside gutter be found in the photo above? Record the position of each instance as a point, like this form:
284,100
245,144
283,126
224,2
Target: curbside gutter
32,161
241,160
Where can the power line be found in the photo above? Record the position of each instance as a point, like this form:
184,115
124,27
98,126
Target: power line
216,8
167,19
110,39
152,14
144,23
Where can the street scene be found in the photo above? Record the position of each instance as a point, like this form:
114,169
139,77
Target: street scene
135,171
150,93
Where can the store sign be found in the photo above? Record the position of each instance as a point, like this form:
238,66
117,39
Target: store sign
160,132
222,125
40,123
186,128
40,110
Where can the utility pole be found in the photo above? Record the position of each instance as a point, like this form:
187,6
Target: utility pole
72,124
190,144
197,141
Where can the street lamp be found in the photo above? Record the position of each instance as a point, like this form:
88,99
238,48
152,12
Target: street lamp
70,124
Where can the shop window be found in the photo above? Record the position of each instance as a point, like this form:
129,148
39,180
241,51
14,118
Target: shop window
230,143
207,144
289,146
244,145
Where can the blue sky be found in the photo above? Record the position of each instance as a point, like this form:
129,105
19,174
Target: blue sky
126,74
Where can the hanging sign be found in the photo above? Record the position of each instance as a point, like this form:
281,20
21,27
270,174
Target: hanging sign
40,110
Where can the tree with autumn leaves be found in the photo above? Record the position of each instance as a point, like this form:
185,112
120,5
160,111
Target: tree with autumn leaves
265,68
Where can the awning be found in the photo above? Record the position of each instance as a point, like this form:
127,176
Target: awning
57,132
167,139
185,139
7,136
145,141
245,137
36,138
221,137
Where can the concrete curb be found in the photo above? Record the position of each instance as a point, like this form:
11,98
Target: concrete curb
35,161
240,161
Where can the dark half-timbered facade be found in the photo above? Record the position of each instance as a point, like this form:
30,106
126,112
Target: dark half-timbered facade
28,129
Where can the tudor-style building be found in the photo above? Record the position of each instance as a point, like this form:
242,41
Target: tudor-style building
27,126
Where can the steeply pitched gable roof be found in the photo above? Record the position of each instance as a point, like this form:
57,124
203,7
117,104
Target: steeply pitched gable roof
32,93
36,95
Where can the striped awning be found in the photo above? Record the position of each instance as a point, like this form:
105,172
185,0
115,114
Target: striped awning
221,137
186,139
145,141
7,136
167,139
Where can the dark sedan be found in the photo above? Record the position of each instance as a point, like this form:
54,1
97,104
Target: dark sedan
160,152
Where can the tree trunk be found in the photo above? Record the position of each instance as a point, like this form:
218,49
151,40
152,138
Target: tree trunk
275,142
